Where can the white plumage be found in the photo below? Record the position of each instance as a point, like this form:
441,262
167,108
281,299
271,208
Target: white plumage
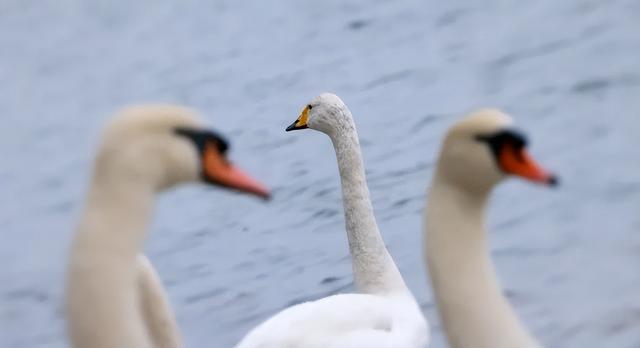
384,314
114,296
475,157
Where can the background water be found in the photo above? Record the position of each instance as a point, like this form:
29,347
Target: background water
567,70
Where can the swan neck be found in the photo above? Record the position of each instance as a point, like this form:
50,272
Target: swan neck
116,217
101,272
473,309
374,269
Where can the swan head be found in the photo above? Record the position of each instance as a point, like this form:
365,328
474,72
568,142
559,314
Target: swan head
166,145
326,113
484,148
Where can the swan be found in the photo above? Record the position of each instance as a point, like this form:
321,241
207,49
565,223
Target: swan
384,313
114,297
476,155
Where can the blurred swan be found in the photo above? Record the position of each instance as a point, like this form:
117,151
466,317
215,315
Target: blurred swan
477,154
384,314
114,296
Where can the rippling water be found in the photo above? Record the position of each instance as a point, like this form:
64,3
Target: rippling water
567,70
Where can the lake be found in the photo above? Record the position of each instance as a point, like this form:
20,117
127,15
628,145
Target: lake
568,71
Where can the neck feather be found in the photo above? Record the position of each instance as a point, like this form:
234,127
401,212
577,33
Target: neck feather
115,218
102,305
373,268
474,311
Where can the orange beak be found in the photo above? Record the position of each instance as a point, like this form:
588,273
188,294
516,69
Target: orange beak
516,161
219,171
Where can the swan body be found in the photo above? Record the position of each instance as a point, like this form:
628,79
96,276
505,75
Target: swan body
156,310
476,155
114,297
344,321
384,313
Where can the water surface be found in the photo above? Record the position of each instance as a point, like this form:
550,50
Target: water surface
567,70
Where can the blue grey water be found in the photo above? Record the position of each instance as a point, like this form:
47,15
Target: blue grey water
569,72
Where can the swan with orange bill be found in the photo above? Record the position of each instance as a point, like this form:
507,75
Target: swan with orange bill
114,296
477,154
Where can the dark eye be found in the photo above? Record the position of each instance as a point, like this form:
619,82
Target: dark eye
497,140
221,143
201,137
510,136
309,106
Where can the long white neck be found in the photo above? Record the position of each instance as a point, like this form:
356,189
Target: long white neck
103,307
474,312
373,268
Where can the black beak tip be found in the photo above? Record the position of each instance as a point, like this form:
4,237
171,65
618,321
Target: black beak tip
294,127
553,181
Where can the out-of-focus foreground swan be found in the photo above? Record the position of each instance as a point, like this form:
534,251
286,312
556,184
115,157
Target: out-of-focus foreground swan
114,297
384,313
476,155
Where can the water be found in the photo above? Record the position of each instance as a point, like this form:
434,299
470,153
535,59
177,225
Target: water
567,71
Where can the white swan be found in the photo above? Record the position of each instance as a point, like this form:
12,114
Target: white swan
384,313
114,297
476,155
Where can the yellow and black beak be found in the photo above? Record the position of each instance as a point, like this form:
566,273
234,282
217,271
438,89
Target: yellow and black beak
301,121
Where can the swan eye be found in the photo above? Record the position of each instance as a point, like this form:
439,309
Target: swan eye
202,137
497,141
309,107
221,143
509,136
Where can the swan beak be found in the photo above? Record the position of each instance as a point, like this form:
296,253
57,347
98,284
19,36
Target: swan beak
517,161
218,170
301,121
